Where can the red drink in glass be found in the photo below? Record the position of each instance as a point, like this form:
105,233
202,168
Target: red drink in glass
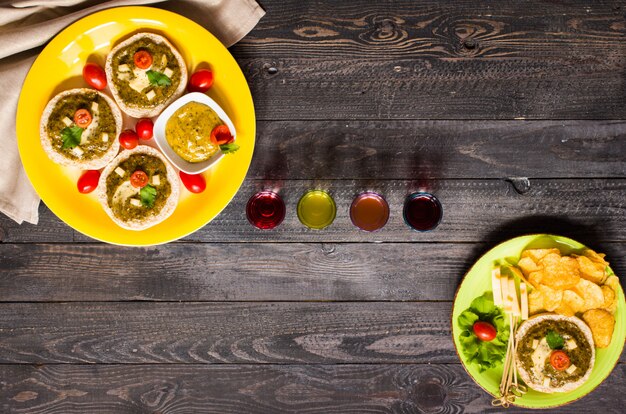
422,211
265,210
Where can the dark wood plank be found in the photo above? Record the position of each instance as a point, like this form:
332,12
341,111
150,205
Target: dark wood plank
434,60
49,229
439,149
255,389
244,332
474,211
242,272
264,332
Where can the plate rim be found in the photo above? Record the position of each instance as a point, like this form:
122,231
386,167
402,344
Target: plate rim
456,349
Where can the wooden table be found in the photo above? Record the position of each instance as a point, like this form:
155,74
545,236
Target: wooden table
512,113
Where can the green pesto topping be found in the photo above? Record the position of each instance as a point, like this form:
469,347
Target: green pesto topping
63,140
163,89
151,204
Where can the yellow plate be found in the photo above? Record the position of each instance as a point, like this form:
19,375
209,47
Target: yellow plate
59,67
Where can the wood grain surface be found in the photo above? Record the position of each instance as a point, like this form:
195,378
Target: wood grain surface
255,389
512,113
437,60
243,271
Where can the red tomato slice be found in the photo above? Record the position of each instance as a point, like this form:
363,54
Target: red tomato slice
143,59
221,135
144,129
559,360
485,331
88,181
94,75
193,182
139,179
129,139
200,81
82,118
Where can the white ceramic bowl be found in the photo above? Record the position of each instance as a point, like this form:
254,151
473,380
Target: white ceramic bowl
164,146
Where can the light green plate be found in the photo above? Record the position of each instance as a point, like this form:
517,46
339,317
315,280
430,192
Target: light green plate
478,280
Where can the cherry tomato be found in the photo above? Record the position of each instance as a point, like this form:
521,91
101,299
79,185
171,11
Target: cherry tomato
485,331
559,360
139,179
94,75
88,181
193,182
200,81
129,139
143,59
144,129
82,118
221,135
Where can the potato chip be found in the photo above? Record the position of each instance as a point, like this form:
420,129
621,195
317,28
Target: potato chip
537,254
535,302
610,299
573,301
591,271
565,310
527,265
535,278
551,298
559,273
601,323
591,294
595,257
613,283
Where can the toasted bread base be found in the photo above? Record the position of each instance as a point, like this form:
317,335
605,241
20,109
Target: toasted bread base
60,158
135,110
525,375
170,204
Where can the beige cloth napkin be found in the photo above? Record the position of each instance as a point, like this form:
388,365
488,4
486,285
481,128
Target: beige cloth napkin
25,25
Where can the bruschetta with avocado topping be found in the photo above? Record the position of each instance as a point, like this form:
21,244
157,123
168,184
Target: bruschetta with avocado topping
79,128
146,73
139,189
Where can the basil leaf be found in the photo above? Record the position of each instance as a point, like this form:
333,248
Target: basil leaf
71,136
148,195
555,341
158,78
229,148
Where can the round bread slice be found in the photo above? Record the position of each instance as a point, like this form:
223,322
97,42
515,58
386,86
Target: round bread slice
134,109
152,219
56,153
541,318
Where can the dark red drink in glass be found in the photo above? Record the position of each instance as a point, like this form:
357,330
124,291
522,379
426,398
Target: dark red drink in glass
265,210
422,211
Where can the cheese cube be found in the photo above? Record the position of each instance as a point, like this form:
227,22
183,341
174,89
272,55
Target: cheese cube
546,382
570,370
156,180
77,151
168,72
135,202
105,137
535,343
123,68
94,106
120,171
123,76
150,94
571,344
67,121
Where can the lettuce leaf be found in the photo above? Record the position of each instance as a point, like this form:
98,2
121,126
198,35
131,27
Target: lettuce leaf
485,354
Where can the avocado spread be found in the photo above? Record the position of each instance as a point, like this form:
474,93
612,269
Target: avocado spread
92,143
162,60
575,346
188,131
120,192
